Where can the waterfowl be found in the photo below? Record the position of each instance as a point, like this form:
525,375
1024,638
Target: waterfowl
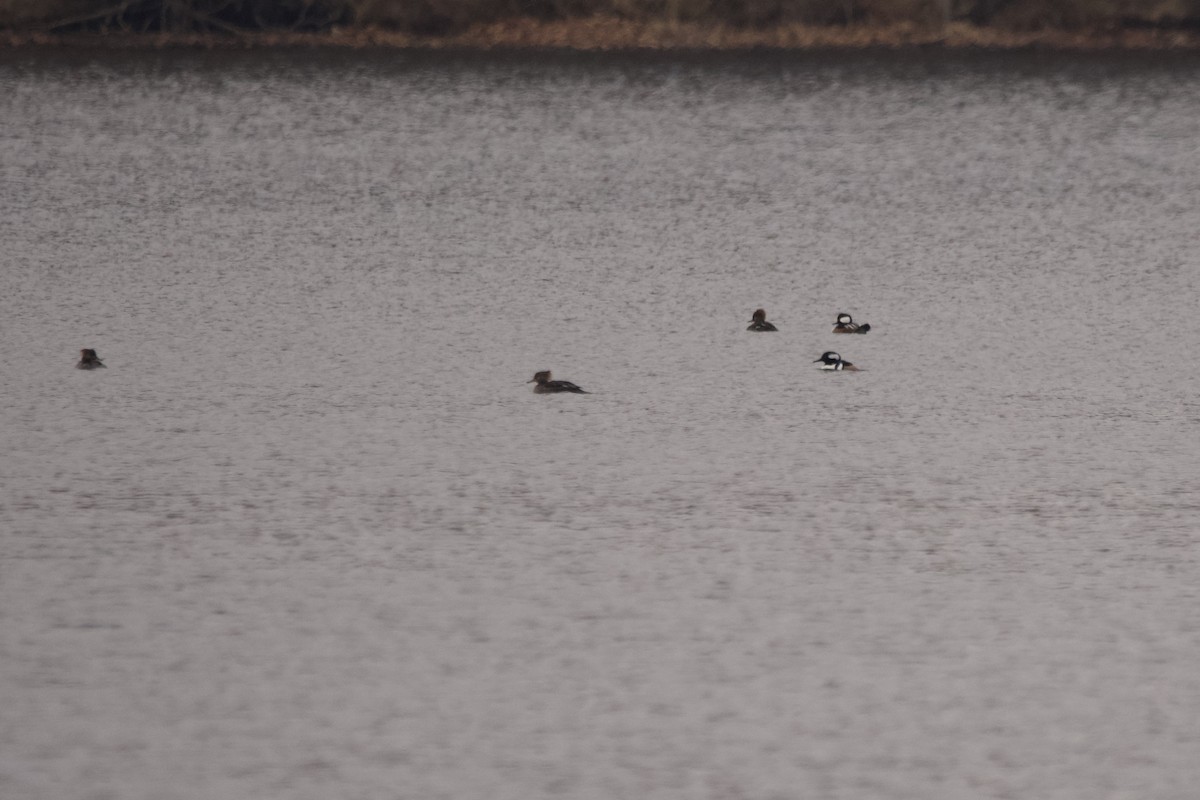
89,360
845,324
546,386
758,322
832,361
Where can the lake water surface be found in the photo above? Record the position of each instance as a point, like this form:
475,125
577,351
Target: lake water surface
311,535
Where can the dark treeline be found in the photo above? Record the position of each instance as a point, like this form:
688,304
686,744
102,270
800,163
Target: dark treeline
446,17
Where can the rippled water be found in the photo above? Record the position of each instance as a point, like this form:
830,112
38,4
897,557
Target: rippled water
310,535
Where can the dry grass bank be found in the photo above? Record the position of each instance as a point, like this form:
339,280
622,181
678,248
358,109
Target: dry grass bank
607,33
605,24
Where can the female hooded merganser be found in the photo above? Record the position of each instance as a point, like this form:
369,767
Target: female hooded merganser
831,360
758,322
845,324
89,360
545,385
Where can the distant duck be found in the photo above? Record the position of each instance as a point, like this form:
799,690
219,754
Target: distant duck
89,360
845,324
832,361
758,322
546,386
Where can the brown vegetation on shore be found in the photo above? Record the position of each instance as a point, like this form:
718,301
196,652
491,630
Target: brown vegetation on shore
606,24
595,34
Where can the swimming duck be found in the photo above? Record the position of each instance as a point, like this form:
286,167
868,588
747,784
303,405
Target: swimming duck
845,324
545,385
89,360
758,322
831,360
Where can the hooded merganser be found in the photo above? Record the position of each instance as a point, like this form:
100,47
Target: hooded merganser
545,385
831,360
845,324
89,360
758,322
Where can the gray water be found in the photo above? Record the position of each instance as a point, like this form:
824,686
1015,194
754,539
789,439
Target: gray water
311,535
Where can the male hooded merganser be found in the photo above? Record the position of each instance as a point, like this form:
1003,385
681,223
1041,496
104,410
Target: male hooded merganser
846,324
89,360
831,360
545,385
758,322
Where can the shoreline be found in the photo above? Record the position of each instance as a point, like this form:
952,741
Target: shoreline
610,34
